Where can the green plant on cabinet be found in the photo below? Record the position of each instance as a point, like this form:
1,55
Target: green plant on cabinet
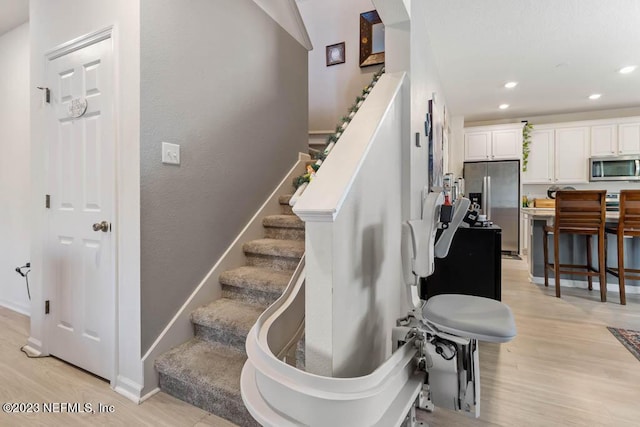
526,144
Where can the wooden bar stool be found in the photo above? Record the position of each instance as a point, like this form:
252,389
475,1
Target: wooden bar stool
628,225
583,213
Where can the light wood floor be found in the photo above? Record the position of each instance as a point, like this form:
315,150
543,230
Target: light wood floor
51,380
564,369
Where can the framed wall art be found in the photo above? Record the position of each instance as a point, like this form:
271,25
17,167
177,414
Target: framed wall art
435,155
335,54
371,39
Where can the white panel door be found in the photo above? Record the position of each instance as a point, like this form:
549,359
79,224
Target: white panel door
572,155
477,145
79,261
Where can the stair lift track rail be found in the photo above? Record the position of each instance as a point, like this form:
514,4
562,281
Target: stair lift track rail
272,388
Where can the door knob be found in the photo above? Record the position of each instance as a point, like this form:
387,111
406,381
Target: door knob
101,226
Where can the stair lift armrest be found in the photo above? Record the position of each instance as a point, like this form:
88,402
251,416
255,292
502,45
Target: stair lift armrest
443,244
419,236
423,235
423,243
418,243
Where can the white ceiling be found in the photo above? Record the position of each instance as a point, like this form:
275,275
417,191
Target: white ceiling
560,52
12,14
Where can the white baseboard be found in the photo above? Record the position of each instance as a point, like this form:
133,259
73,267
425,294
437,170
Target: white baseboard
611,287
34,347
150,394
128,388
18,308
179,329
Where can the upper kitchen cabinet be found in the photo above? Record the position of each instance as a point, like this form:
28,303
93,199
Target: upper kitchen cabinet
618,138
558,156
506,144
540,168
572,155
477,145
493,143
629,138
604,141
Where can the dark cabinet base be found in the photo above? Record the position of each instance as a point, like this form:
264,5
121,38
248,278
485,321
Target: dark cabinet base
473,266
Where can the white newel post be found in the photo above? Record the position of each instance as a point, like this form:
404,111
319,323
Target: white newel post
319,297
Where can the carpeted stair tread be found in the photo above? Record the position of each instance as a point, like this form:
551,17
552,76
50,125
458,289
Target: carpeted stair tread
231,315
206,375
283,221
204,363
205,371
256,278
284,199
275,247
284,204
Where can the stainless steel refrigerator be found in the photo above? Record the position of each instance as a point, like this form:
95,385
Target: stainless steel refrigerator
495,186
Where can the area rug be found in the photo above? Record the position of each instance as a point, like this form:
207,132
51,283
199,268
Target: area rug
628,338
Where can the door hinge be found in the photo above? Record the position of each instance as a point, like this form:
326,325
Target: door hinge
47,201
46,307
47,94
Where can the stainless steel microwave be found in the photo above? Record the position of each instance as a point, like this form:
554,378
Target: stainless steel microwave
619,168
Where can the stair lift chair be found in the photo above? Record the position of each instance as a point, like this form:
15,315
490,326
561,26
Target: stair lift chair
447,327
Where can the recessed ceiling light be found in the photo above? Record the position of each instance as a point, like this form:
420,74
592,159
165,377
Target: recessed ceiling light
503,106
627,70
511,85
595,96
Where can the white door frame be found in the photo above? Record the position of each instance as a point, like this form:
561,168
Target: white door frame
81,42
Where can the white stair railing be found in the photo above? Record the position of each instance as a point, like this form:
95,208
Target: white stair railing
303,181
277,393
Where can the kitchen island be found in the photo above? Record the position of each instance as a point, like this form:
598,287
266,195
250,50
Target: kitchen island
573,251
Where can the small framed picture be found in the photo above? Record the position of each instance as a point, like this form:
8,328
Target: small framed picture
335,54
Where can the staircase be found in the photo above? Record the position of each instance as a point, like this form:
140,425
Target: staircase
205,371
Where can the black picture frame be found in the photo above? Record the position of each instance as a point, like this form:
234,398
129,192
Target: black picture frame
335,54
367,56
435,146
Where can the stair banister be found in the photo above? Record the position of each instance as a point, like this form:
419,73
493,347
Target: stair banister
278,394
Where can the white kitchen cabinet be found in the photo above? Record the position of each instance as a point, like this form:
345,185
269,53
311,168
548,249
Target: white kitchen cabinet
506,144
558,156
492,144
615,140
477,145
540,168
604,140
571,155
629,138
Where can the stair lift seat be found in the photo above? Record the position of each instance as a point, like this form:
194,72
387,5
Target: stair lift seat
449,326
480,318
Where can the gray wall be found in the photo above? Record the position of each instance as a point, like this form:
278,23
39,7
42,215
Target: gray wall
223,80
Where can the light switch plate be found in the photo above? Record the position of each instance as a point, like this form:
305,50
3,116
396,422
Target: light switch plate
170,153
